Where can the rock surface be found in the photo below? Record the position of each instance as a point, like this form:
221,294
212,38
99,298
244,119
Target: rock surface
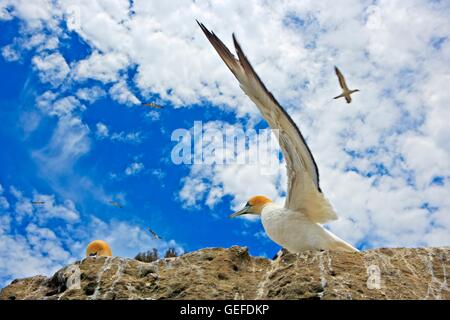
232,274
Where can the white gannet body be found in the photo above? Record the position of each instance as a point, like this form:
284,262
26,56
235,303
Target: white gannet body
296,232
297,225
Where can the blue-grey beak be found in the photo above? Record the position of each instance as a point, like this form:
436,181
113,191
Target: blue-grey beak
245,210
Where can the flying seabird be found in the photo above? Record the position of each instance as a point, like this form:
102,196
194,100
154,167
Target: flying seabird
116,204
152,104
346,92
295,226
154,234
37,202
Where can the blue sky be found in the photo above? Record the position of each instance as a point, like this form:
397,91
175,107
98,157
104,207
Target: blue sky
73,131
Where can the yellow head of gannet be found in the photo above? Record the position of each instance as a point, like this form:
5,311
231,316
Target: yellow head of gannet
297,225
98,248
254,206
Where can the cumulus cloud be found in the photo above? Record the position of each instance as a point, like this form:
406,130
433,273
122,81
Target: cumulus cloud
4,204
9,54
134,168
102,131
52,105
129,137
52,68
43,212
70,140
90,95
40,252
122,94
153,115
241,169
102,67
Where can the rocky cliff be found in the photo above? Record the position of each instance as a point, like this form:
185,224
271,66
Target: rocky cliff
233,274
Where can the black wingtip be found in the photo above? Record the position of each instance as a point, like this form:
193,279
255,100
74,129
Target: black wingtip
235,42
237,46
202,26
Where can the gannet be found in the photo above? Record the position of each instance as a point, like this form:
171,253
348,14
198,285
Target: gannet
152,104
116,204
346,92
154,234
295,226
37,202
98,248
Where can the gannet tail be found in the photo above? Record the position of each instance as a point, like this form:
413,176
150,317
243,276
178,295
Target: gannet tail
344,246
337,244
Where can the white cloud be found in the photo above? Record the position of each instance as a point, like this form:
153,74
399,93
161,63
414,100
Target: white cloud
30,254
51,105
34,13
70,140
43,212
90,95
4,204
102,131
153,115
134,168
4,12
52,68
9,54
130,137
41,42
51,210
102,67
22,207
122,94
242,172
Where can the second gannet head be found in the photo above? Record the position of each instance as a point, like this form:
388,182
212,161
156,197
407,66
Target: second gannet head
253,206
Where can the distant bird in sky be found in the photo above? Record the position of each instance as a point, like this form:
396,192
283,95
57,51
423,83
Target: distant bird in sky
116,204
297,225
153,105
346,92
154,234
38,202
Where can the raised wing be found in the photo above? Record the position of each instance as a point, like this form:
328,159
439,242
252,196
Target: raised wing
341,79
154,234
303,176
116,204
